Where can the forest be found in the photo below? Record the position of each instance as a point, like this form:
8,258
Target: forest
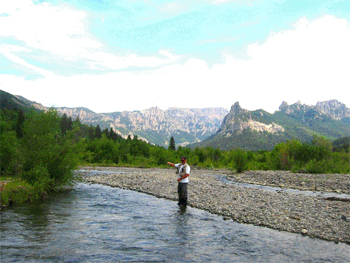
41,150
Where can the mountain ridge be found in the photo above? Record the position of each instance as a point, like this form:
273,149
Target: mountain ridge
217,127
256,130
153,125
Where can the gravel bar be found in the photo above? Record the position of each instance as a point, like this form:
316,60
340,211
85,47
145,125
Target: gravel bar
311,216
337,183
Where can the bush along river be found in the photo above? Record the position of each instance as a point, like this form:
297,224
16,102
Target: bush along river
99,223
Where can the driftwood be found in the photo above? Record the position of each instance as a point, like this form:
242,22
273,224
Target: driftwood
334,198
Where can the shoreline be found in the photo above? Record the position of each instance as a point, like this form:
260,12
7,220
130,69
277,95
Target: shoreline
315,217
330,183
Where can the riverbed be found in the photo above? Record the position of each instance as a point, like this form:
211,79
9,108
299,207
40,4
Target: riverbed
98,223
310,215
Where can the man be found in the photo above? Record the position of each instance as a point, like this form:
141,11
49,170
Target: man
183,171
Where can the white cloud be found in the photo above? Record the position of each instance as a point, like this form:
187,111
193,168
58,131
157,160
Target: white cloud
7,50
307,63
63,32
59,30
310,61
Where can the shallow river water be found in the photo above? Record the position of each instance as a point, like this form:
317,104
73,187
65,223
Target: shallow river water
96,223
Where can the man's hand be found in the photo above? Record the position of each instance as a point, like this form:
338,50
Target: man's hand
183,177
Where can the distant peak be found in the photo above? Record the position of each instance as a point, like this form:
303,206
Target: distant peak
236,107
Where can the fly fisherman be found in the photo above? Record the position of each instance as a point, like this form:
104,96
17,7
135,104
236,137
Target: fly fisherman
183,171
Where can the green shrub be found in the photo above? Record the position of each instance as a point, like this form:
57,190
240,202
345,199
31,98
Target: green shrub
11,159
18,191
318,167
40,178
240,160
45,147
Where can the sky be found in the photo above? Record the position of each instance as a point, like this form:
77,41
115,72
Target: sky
128,55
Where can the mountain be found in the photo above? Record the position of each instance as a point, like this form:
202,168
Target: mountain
156,125
153,125
11,102
260,130
215,127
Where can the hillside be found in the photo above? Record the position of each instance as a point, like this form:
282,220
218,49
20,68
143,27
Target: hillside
11,102
260,130
215,127
152,125
157,126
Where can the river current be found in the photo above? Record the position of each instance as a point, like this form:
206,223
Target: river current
96,223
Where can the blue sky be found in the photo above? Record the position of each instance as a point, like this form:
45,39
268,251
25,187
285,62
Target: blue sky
132,55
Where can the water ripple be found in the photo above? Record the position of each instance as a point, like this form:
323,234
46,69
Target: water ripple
96,223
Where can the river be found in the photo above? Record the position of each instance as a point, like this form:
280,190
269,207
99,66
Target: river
96,223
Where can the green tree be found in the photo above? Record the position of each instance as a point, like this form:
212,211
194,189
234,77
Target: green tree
66,124
91,133
11,159
46,150
322,147
19,123
112,135
199,152
98,132
105,132
240,160
172,144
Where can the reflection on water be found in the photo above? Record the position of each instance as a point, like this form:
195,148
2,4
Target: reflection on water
95,223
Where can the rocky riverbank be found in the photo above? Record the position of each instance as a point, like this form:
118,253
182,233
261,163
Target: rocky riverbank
338,183
311,216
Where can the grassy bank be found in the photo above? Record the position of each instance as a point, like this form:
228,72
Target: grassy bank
16,191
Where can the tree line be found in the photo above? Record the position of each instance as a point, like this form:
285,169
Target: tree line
40,151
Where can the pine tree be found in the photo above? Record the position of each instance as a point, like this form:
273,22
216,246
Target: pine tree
112,135
70,124
172,144
64,124
105,132
91,133
77,119
98,133
19,124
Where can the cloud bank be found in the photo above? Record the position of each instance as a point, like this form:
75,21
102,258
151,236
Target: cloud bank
73,67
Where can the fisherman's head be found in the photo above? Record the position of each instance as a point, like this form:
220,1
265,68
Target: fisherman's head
183,159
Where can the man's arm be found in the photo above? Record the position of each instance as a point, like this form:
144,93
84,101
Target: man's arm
171,164
183,177
186,175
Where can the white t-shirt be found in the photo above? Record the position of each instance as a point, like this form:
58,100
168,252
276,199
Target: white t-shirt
188,170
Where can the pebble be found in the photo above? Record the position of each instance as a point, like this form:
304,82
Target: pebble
324,219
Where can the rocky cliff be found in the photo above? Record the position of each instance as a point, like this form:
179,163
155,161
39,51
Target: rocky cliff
157,125
153,125
255,130
332,108
218,128
240,119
